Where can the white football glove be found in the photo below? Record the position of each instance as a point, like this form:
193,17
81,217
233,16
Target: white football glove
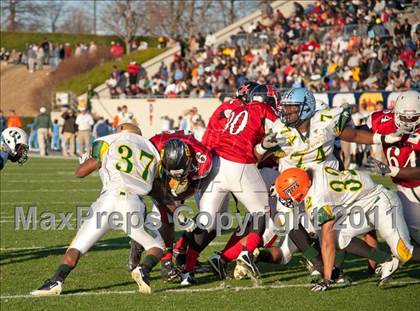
85,156
388,139
271,143
186,223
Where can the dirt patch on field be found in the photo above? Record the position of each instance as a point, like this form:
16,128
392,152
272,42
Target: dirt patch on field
17,86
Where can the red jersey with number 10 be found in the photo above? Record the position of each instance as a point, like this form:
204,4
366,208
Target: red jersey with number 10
245,128
217,122
202,157
405,153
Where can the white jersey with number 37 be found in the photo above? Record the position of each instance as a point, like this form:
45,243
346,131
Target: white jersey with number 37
128,162
316,147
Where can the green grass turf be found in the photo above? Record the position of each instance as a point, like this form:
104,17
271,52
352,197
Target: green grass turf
101,280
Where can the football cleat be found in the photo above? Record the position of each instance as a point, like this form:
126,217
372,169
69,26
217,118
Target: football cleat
141,276
200,268
315,277
168,271
386,270
246,260
135,255
218,266
49,288
240,273
187,278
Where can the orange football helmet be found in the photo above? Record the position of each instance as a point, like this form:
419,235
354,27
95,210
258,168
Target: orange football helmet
293,183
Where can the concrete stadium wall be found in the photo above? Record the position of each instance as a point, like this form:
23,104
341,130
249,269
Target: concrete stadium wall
148,112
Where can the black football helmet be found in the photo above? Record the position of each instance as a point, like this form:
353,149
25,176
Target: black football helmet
267,94
245,90
176,159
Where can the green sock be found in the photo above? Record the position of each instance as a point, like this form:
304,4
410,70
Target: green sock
149,262
62,272
339,258
379,256
311,254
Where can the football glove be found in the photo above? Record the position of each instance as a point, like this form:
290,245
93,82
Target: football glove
178,186
388,139
186,223
321,286
382,168
84,157
273,143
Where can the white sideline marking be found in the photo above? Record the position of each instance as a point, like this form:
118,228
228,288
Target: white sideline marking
197,290
10,249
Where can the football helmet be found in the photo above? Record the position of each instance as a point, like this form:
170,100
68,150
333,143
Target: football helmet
267,94
15,141
298,101
407,111
129,127
293,183
244,91
176,158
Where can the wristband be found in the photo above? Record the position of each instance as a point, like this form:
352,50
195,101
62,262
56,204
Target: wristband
378,138
260,149
394,171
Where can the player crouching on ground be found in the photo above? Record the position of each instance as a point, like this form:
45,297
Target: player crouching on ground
127,164
344,205
14,146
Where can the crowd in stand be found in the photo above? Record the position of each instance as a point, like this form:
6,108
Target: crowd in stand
326,46
49,53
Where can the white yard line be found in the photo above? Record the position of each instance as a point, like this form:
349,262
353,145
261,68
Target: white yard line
197,290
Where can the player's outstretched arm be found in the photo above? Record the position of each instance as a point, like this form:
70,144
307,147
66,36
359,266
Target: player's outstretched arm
368,138
87,167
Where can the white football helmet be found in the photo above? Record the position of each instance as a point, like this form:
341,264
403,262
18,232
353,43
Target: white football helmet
15,141
407,111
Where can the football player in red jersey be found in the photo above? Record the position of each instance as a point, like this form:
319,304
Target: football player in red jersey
235,171
220,116
403,157
185,162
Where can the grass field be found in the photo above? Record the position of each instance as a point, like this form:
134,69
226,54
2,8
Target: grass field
101,281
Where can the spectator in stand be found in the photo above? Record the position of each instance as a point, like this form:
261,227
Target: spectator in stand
14,120
84,122
92,48
39,57
55,141
31,56
67,50
117,50
162,42
43,125
69,132
133,70
3,121
62,52
116,119
101,128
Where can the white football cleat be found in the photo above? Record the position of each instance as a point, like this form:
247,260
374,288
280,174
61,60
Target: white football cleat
386,270
142,279
49,288
187,278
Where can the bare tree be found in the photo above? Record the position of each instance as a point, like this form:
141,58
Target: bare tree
77,21
19,14
121,17
52,11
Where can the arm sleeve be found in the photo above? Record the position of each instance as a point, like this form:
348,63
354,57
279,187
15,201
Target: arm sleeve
99,148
